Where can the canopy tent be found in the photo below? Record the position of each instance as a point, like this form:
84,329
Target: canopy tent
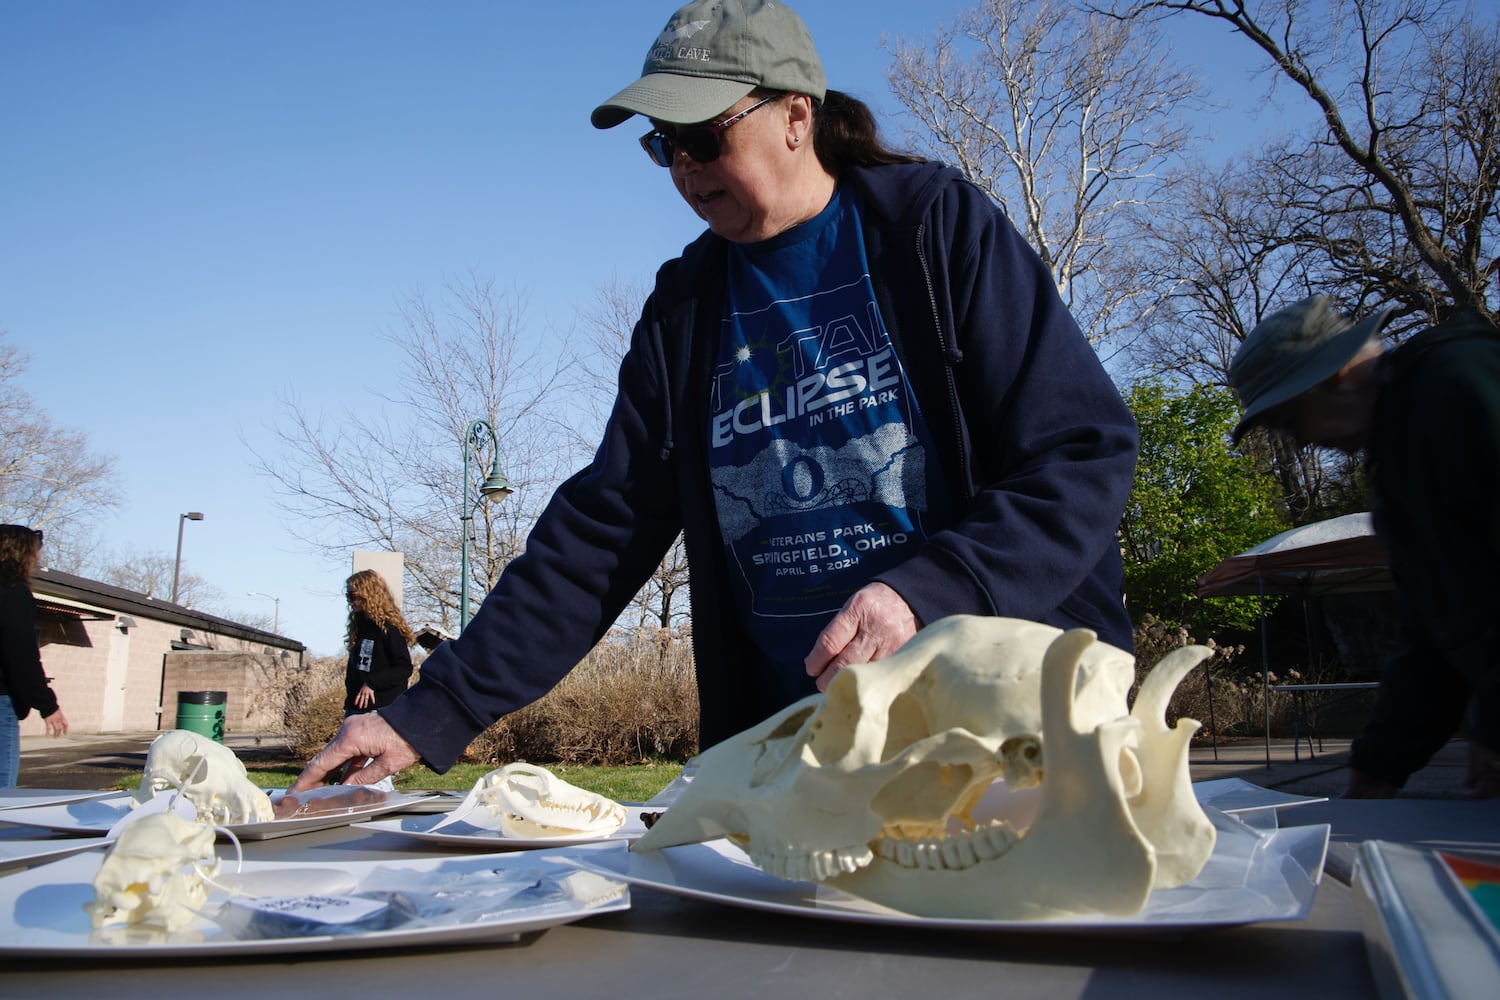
1338,556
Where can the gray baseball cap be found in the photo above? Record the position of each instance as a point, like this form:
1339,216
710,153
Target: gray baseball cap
1293,350
710,55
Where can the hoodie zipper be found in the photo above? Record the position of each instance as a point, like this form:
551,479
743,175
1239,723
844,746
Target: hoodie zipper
951,356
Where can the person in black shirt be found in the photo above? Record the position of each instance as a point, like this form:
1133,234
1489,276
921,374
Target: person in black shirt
379,643
23,686
1426,414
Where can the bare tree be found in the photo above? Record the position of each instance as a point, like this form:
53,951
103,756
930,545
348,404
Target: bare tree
1222,253
1395,188
391,475
607,325
48,477
1228,249
1064,118
150,573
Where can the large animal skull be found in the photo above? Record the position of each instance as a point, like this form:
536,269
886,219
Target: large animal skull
532,802
208,774
154,874
872,788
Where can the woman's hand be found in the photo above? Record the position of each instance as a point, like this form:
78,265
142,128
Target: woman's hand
57,723
370,747
364,697
874,623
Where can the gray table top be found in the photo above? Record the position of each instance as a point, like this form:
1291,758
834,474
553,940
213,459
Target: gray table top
1444,824
667,946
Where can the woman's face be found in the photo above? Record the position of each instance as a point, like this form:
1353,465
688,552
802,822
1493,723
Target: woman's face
749,193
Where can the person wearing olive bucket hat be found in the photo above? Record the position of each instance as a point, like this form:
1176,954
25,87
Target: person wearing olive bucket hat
1427,416
858,396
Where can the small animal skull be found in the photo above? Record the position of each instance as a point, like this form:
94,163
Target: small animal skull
872,788
532,802
208,774
154,874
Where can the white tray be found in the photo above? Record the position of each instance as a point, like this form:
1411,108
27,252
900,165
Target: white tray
42,910
97,816
461,834
24,798
23,853
1236,796
1252,876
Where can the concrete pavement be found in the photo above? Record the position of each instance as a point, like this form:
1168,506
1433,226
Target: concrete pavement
98,761
94,761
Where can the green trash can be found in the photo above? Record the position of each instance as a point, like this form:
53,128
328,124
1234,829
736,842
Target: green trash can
202,712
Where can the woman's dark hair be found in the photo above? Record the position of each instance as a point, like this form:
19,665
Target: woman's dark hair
845,135
20,550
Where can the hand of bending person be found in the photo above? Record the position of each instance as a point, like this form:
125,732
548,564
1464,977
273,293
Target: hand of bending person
370,747
1482,777
874,623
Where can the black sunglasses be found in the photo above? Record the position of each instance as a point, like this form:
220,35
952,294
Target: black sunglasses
699,142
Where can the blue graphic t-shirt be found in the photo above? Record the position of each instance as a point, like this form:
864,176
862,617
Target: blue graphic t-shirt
816,447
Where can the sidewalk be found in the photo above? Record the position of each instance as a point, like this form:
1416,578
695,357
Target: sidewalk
98,761
1326,773
95,761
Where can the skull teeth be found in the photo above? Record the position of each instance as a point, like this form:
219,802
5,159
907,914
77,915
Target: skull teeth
816,866
954,853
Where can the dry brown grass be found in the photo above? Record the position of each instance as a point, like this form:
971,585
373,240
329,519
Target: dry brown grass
632,699
312,704
1238,706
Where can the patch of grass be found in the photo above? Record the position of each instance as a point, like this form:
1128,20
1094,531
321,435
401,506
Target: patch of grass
634,783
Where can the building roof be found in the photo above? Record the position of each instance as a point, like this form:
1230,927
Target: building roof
51,587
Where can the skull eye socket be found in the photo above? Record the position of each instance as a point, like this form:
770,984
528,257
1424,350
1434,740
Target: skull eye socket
906,724
924,793
773,751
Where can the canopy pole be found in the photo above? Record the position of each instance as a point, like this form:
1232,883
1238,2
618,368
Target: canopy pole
1208,680
1265,669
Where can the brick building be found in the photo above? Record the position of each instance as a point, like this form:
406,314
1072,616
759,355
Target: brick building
117,659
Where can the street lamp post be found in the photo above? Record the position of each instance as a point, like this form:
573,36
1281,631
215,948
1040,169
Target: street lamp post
494,487
177,565
276,621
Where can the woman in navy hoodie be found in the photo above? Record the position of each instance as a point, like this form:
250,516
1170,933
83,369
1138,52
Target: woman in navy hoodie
858,397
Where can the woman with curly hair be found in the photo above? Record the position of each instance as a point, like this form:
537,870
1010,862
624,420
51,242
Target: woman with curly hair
23,686
379,643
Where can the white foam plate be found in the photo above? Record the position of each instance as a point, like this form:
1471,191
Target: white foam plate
461,834
42,910
1235,796
97,816
25,798
21,853
1252,876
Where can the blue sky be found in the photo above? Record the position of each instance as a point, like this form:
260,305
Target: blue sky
208,207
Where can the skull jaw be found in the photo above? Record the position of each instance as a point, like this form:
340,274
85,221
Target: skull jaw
1117,817
1166,810
208,774
1082,855
153,874
801,788
532,802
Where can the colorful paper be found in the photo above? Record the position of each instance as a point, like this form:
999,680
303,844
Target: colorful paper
1480,880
